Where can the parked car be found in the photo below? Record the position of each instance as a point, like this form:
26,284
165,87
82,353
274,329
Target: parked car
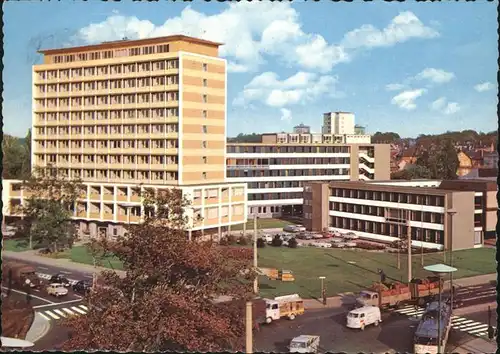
290,228
267,238
57,290
82,287
350,244
59,279
317,236
350,236
300,228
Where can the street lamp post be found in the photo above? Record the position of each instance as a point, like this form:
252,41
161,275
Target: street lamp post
323,290
451,213
440,270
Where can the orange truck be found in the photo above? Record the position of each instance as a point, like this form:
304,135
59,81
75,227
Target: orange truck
419,292
282,275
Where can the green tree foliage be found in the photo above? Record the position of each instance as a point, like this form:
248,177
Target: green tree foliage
16,157
388,137
49,208
164,301
261,243
413,172
277,241
246,138
440,161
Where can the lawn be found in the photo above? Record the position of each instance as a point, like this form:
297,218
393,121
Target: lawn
263,224
15,245
80,254
352,270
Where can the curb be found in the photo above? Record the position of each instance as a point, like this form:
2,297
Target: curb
43,332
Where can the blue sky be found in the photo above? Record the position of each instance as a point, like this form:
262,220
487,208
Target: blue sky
406,67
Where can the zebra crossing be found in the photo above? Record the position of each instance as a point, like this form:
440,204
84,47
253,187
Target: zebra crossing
65,312
48,276
463,324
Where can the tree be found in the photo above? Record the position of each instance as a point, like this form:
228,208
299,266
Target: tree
261,243
164,301
443,162
277,241
49,208
412,172
16,157
292,243
388,137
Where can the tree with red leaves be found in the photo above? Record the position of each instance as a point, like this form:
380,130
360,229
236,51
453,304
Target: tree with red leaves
164,303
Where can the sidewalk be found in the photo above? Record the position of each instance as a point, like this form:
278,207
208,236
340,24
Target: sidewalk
478,345
38,329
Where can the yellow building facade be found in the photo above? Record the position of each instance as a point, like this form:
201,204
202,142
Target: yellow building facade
131,113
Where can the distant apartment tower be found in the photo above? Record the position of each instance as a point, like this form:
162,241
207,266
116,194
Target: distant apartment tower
130,114
302,129
338,123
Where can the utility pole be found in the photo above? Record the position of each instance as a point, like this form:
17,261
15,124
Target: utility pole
408,232
248,328
256,281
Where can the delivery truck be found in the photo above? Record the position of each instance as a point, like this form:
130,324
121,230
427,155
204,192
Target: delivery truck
289,306
387,295
20,274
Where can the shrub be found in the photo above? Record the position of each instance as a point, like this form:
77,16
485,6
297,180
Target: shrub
223,241
292,243
277,242
261,243
243,241
232,240
369,246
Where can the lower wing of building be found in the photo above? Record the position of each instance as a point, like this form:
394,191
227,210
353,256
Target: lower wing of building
108,207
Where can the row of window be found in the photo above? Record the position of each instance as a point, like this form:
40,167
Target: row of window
107,100
265,209
288,161
112,159
105,144
104,175
86,88
111,129
65,117
289,173
417,234
423,216
275,184
287,149
433,200
274,196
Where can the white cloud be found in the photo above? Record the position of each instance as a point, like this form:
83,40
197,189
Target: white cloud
251,31
394,87
248,31
451,108
437,76
286,114
403,27
442,105
406,99
485,86
438,104
300,88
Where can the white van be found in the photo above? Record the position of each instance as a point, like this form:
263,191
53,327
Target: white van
364,316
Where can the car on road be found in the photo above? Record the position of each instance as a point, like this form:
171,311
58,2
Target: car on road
59,279
304,344
294,228
57,290
267,238
82,287
317,236
364,316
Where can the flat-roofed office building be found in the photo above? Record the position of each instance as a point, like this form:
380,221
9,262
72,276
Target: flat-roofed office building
383,210
276,170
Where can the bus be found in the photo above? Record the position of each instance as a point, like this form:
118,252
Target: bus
426,335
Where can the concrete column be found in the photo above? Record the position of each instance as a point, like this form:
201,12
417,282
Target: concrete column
190,235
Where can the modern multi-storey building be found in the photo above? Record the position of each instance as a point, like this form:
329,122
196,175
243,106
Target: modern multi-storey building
338,123
440,214
276,169
130,114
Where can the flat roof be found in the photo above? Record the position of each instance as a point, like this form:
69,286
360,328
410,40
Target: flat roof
301,144
388,188
128,43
